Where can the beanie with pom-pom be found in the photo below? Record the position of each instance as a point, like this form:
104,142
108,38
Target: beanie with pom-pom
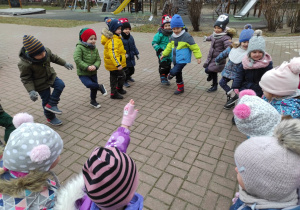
21,118
257,42
283,80
254,116
246,34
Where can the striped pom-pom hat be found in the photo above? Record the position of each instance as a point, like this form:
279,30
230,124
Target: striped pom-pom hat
110,178
32,45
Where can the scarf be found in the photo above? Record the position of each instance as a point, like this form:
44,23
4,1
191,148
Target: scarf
125,36
33,60
249,63
178,35
236,55
88,45
165,32
219,35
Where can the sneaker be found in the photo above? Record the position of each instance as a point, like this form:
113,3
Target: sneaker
102,90
126,84
231,102
121,91
131,80
55,121
95,104
209,78
164,81
213,88
116,96
169,77
53,109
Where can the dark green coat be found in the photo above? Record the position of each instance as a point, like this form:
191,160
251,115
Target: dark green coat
85,57
38,76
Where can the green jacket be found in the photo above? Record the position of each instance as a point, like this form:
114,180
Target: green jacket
85,57
36,75
160,41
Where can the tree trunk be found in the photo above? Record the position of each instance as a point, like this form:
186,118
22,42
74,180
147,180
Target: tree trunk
194,8
154,7
88,5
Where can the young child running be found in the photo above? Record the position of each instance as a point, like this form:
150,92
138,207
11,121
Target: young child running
280,88
181,46
87,59
32,150
131,51
114,56
235,54
110,177
268,170
220,40
38,76
159,43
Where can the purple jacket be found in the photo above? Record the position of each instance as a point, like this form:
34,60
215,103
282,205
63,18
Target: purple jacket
217,46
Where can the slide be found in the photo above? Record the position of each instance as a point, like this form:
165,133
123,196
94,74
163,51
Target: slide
246,8
121,7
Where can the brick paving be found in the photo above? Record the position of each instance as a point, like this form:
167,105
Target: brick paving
183,145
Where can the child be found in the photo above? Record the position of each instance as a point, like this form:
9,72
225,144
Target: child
159,43
254,116
31,151
235,54
6,122
220,40
114,56
280,87
268,170
131,50
38,76
255,64
181,46
87,59
110,176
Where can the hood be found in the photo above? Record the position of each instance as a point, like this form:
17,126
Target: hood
106,35
84,44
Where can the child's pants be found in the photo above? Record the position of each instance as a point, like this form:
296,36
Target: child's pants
6,122
91,82
129,71
164,68
214,76
117,79
177,71
223,83
52,99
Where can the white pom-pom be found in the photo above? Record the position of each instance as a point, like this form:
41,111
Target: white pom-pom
21,118
294,65
248,26
257,33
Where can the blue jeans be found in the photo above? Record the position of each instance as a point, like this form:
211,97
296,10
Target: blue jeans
52,99
177,71
223,83
91,82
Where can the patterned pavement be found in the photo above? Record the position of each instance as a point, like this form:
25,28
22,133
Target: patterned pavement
183,145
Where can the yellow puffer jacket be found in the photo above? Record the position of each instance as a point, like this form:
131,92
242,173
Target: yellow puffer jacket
114,52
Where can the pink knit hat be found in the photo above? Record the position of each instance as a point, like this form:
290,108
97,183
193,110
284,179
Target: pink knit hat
110,178
283,80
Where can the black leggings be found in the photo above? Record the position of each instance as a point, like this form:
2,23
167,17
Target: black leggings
214,76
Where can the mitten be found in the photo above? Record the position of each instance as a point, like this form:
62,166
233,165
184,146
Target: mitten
205,65
68,66
158,52
129,115
33,95
137,57
204,38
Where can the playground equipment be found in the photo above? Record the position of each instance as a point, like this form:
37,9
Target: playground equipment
74,2
121,7
246,8
110,5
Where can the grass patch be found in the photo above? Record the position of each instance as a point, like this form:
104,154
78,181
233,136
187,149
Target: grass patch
44,22
46,7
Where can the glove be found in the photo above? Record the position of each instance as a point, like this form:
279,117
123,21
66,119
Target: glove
33,95
137,57
158,52
129,114
204,38
205,65
68,66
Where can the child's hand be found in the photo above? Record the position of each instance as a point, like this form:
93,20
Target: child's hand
204,38
120,67
236,91
137,57
93,68
129,114
199,61
161,57
126,55
68,66
33,95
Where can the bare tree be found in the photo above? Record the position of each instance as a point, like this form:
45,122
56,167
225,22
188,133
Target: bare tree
154,7
195,7
293,16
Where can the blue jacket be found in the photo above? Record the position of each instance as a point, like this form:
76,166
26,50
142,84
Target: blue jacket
131,50
249,78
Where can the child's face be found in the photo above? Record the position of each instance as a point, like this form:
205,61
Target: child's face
244,45
176,30
269,96
40,56
167,26
239,178
256,55
218,30
92,40
126,31
118,31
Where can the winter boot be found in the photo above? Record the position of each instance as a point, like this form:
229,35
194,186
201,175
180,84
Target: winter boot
180,89
214,87
121,90
95,104
53,109
55,121
163,80
233,97
116,95
169,77
131,80
126,84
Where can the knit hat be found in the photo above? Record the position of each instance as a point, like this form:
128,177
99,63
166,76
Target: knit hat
177,21
246,34
254,116
125,23
222,21
269,166
282,81
114,24
110,178
32,146
256,42
165,19
32,45
86,33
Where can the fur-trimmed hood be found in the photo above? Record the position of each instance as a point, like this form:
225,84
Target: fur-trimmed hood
106,35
